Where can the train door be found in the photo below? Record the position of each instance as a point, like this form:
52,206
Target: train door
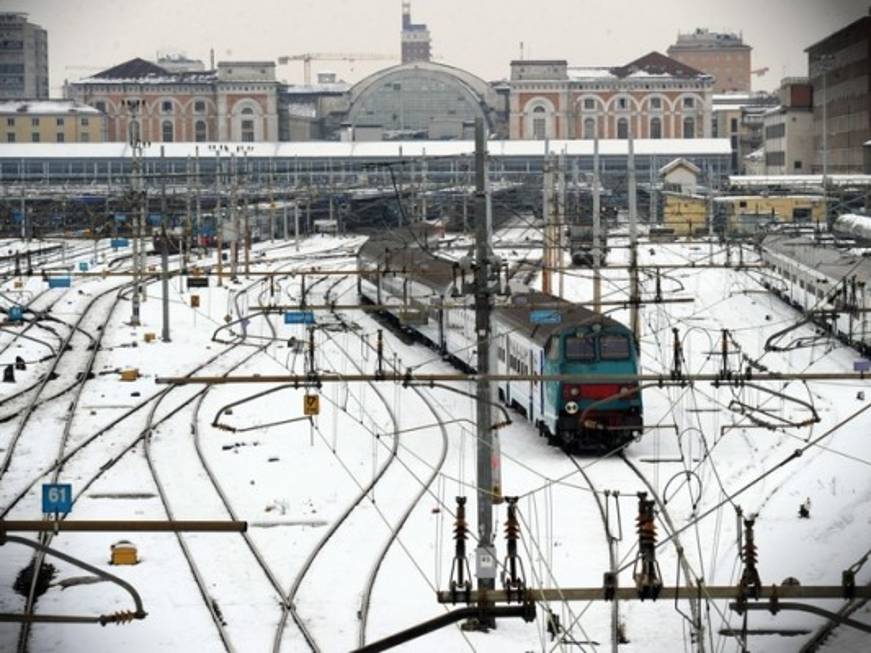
533,387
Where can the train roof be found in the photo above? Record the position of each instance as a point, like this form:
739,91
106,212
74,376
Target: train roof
517,315
406,250
405,247
833,262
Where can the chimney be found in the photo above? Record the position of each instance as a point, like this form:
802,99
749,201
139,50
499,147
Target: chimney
212,59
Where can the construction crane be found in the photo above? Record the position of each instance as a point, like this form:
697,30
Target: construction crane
308,57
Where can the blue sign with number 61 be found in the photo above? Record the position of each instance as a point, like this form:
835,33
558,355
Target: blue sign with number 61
57,497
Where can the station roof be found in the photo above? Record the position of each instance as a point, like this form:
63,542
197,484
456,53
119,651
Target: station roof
672,147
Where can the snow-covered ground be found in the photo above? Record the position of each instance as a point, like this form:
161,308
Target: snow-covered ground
304,486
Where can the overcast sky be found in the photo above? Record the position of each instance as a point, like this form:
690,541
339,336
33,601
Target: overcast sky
481,36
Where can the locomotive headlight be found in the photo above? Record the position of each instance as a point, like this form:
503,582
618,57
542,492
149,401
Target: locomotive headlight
626,389
571,408
574,390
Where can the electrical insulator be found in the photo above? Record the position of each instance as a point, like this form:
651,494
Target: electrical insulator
513,576
646,573
460,571
750,582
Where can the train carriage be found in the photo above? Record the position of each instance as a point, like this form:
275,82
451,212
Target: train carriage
417,289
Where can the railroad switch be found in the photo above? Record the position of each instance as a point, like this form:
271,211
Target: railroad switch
460,570
646,573
513,576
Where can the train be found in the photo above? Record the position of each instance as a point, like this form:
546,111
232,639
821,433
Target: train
827,281
403,280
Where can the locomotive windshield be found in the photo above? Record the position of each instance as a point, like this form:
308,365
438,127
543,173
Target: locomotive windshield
580,348
614,348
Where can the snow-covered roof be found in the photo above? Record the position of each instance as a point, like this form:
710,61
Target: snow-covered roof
680,162
306,89
756,155
588,72
377,149
45,107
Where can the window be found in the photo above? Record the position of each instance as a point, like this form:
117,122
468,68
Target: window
589,103
247,131
580,349
689,128
166,131
621,103
199,106
10,137
166,106
34,122
10,122
775,131
84,122
200,131
622,128
655,103
60,122
614,348
60,137
655,128
100,106
589,128
689,102
34,137
247,111
734,124
797,165
551,349
539,123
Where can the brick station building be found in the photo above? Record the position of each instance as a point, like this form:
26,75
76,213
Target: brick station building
655,95
235,102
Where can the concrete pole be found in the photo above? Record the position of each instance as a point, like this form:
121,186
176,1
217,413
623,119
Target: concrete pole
635,324
561,223
487,458
234,219
597,231
295,226
140,198
549,236
219,223
164,249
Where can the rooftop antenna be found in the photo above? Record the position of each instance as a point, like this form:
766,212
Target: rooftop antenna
521,50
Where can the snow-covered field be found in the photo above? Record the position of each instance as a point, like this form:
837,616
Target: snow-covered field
324,498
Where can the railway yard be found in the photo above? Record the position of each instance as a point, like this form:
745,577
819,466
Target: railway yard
351,512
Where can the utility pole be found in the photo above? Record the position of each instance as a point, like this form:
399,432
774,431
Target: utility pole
219,226
561,222
164,249
295,226
634,296
487,458
271,203
139,211
597,231
234,219
550,237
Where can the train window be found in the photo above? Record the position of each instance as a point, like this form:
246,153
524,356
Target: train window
580,349
614,347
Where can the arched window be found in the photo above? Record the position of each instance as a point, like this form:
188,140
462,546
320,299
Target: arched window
622,128
689,128
200,131
133,132
199,106
166,131
655,128
539,123
247,111
589,128
247,131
